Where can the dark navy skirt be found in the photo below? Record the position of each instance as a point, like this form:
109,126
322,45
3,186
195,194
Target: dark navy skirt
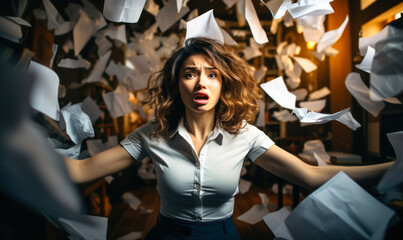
170,229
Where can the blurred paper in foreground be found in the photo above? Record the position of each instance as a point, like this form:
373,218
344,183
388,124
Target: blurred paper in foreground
339,209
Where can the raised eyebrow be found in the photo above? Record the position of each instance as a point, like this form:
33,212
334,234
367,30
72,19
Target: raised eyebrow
195,68
189,68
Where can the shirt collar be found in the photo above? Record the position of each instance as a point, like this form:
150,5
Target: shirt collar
216,134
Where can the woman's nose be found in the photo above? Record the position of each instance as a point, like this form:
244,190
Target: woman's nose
202,81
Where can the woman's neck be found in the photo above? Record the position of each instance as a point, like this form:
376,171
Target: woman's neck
199,125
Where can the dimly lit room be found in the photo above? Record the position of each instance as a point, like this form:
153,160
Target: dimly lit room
214,119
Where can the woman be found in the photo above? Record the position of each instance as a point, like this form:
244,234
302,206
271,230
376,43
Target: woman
204,101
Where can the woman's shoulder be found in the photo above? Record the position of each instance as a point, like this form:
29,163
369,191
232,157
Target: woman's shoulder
247,127
145,129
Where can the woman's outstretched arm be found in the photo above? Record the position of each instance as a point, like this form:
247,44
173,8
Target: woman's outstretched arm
99,165
287,166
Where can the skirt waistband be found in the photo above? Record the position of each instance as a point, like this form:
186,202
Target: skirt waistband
189,227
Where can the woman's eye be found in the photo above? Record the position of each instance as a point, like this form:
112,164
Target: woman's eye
189,75
213,75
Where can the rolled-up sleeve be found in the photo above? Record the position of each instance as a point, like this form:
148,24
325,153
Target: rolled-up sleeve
259,142
136,143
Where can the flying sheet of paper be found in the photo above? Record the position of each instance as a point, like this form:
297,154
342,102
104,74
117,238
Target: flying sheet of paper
78,123
393,177
284,116
148,49
254,214
140,64
320,161
275,221
98,20
321,93
291,49
82,32
132,200
310,8
119,71
35,175
250,52
98,69
313,27
230,3
103,44
73,152
89,227
204,26
315,22
168,15
348,120
179,5
73,63
386,79
19,21
293,76
117,104
228,38
244,185
53,16
329,38
306,64
10,30
314,146
277,90
116,32
371,41
246,8
131,236
316,106
300,93
138,82
317,118
346,203
366,63
45,90
360,92
312,34
91,109
127,11
260,74
277,7
288,21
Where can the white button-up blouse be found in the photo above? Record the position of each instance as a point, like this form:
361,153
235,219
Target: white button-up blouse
197,188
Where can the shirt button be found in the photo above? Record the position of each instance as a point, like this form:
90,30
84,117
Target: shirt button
197,186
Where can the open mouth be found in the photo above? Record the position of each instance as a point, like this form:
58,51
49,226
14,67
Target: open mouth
201,98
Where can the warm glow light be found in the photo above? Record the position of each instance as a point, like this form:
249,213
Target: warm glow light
310,44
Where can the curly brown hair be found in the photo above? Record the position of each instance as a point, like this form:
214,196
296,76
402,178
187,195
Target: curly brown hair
239,94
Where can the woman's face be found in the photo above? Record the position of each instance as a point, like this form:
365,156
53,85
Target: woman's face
200,84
